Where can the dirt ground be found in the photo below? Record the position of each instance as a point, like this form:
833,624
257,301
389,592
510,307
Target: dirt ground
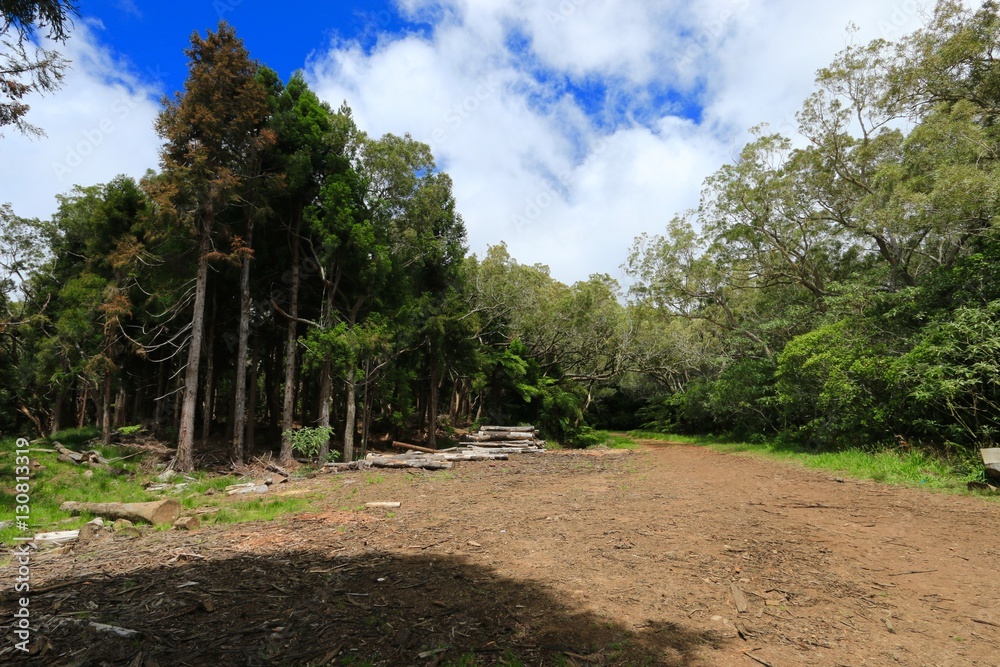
569,558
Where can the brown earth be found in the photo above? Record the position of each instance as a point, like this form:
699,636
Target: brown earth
565,558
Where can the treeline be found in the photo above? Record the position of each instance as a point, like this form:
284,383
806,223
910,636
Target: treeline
843,288
283,269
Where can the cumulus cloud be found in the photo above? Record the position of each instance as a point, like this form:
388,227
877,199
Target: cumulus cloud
568,126
98,125
571,127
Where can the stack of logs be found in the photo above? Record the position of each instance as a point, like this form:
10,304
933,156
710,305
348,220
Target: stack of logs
507,439
492,443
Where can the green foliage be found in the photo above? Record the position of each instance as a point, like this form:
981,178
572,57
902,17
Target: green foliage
953,376
836,385
130,430
307,440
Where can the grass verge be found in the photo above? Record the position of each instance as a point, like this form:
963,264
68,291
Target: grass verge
53,482
906,468
590,438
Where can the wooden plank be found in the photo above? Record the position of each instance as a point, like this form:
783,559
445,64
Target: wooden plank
507,428
739,598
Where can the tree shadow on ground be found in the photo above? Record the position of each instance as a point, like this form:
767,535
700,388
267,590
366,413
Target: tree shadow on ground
302,608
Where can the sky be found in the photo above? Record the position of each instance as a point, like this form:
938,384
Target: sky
569,127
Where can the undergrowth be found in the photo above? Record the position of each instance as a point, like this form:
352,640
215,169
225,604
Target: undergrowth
53,482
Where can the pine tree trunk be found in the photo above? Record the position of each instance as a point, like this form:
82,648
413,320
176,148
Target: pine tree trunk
432,406
291,345
185,439
325,391
57,411
240,408
252,399
350,423
159,412
81,415
119,418
208,402
106,410
366,415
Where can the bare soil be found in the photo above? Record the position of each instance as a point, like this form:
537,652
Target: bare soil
576,558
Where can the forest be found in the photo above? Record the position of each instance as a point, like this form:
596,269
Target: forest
284,272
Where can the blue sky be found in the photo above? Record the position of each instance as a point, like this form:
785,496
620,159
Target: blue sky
153,35
569,127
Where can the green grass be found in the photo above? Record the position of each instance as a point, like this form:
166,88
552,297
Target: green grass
55,482
590,438
907,468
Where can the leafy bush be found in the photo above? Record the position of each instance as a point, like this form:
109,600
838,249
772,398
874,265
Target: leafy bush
307,441
836,386
952,375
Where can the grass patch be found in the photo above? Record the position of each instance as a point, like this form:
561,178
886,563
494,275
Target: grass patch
53,482
590,438
259,509
907,468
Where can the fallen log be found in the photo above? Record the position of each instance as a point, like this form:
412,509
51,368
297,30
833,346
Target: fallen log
74,457
991,459
414,448
497,437
531,429
508,450
471,456
159,512
409,463
350,465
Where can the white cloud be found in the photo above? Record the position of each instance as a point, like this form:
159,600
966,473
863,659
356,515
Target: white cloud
98,125
530,167
486,87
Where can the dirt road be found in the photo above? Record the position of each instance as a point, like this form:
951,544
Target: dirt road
566,558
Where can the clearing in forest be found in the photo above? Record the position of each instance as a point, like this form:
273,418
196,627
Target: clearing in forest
670,555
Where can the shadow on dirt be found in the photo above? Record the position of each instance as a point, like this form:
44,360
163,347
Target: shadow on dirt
302,608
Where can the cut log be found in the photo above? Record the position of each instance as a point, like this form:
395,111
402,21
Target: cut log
156,513
60,537
470,456
409,463
499,437
508,443
507,450
991,459
530,429
413,448
187,523
74,457
388,506
350,465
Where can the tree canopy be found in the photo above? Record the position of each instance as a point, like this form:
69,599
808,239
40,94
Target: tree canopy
283,269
